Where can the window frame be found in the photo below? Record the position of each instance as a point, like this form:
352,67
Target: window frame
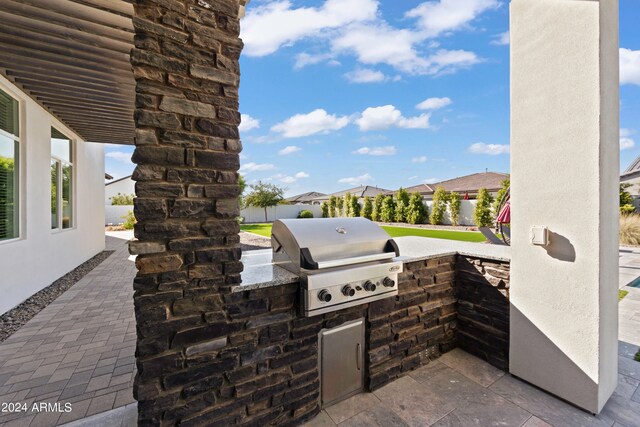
59,178
20,216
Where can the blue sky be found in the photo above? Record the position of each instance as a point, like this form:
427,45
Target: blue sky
338,93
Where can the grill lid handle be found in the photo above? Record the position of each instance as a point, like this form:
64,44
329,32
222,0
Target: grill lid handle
307,262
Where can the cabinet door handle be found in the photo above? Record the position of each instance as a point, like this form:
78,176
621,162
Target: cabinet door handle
358,356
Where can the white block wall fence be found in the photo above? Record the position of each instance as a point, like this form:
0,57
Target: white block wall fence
253,214
113,214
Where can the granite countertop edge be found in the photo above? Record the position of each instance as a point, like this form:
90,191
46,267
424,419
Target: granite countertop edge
252,273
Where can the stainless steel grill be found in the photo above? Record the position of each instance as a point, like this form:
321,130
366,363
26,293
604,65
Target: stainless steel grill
341,262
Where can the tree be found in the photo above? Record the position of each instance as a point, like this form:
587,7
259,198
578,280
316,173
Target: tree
243,186
264,195
496,203
416,210
347,205
324,207
626,200
122,199
454,207
388,210
482,213
439,206
377,207
354,206
367,209
402,203
339,206
332,206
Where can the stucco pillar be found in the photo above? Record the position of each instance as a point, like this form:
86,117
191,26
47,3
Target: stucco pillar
565,163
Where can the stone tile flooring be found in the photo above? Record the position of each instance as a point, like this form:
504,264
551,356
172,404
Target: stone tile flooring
629,307
461,390
79,349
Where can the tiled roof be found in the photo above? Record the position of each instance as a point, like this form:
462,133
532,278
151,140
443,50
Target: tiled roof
304,197
362,191
492,181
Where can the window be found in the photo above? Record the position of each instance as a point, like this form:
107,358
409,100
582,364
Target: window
61,180
9,167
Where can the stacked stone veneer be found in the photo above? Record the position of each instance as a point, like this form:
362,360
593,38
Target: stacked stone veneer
483,309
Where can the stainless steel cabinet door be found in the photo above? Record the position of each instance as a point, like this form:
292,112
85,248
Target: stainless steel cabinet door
341,361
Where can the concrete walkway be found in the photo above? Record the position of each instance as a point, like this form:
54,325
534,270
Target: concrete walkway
629,320
78,350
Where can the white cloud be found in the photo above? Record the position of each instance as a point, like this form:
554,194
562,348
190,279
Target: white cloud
412,178
441,17
247,123
356,180
317,121
268,26
256,167
289,150
420,159
365,75
626,143
434,103
120,156
388,150
379,43
491,149
502,39
303,59
629,66
294,178
386,116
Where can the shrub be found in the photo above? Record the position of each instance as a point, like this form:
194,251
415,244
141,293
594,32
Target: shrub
129,221
630,230
339,206
439,206
305,214
333,205
324,207
496,203
388,210
402,203
454,207
346,205
377,207
416,210
122,199
354,207
626,200
482,213
367,209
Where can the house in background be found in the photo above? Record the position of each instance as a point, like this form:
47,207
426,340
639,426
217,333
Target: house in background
360,192
125,186
56,224
304,198
632,176
469,184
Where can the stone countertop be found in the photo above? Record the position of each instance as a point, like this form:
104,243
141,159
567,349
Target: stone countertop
259,272
419,248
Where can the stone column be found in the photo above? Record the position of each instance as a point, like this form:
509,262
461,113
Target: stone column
565,166
185,63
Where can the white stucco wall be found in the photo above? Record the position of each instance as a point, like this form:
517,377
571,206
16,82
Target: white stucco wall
564,164
253,214
124,186
41,255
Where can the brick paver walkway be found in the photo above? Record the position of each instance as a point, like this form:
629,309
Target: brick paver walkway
78,350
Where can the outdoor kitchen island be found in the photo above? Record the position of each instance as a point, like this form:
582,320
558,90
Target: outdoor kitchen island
450,294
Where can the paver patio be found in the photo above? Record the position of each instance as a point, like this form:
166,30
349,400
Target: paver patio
80,349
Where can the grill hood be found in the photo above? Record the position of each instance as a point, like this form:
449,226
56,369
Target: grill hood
316,244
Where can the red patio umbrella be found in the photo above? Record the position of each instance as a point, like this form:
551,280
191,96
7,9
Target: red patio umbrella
466,195
505,214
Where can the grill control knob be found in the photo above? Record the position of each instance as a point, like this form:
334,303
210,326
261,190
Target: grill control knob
388,282
324,295
348,291
369,286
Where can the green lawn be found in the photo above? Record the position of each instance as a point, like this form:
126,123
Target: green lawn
465,236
